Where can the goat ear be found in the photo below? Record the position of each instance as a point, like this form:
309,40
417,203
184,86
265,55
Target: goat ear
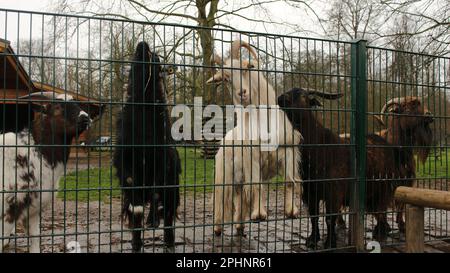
39,108
314,102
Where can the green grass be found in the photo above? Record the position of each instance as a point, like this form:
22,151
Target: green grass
101,184
197,175
93,184
435,167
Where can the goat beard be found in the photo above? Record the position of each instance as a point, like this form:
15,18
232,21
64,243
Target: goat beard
423,138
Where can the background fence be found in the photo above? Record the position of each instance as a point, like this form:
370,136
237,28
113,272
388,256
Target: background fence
90,58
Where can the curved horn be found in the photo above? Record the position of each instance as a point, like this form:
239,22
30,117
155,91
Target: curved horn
236,49
250,49
394,101
325,95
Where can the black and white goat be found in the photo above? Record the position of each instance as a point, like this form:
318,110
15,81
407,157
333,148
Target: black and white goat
34,160
147,166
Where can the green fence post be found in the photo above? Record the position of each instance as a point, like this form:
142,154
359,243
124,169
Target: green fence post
358,140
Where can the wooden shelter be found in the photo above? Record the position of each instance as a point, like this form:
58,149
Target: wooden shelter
15,83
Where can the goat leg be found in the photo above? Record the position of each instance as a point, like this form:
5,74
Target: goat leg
340,221
153,218
169,234
237,216
314,237
293,180
382,228
169,212
135,216
330,242
7,229
252,179
399,219
33,231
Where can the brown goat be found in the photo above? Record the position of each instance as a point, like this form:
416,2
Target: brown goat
330,178
409,126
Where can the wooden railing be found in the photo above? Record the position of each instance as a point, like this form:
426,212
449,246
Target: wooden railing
416,200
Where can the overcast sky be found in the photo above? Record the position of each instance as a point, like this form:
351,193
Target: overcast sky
280,12
32,5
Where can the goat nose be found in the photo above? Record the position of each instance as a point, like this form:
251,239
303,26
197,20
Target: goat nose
429,116
84,120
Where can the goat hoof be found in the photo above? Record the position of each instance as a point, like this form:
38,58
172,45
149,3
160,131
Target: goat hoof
311,241
153,222
218,232
169,249
240,232
293,214
381,231
257,217
137,249
402,227
137,246
340,222
330,242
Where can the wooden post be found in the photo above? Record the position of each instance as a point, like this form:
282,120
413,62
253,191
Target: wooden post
416,200
414,229
424,197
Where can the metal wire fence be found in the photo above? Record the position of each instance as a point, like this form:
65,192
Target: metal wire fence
75,200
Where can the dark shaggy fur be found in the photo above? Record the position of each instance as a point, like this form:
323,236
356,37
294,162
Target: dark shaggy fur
147,167
323,163
409,127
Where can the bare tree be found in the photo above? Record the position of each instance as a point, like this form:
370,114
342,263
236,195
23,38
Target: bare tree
353,19
206,14
432,23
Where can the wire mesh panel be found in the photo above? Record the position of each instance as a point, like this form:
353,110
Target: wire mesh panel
407,107
121,136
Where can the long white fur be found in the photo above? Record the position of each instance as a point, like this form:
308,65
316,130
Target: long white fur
235,165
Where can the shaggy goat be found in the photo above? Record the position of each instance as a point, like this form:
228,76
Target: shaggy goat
147,166
238,184
32,169
409,126
381,170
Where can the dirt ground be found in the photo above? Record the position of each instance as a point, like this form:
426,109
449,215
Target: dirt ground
98,228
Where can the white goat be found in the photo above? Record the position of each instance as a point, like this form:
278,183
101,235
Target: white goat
243,170
33,161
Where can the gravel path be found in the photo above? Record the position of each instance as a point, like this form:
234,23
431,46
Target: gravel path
97,226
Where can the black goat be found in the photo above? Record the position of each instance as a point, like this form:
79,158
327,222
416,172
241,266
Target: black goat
147,167
383,169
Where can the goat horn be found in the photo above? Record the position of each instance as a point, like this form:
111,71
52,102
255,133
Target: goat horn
325,95
250,49
236,49
235,52
394,101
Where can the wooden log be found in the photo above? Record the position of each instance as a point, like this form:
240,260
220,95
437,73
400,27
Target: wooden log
423,197
414,229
